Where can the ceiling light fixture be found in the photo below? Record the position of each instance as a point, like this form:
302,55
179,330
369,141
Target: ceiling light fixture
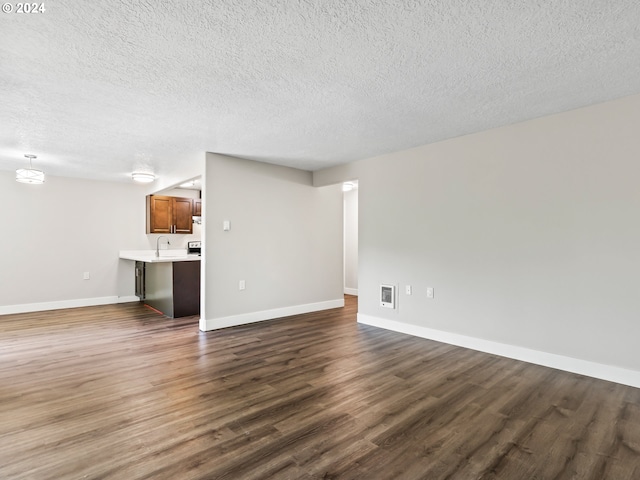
30,175
347,186
142,177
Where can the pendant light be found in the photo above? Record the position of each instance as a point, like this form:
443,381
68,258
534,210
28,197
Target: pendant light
30,175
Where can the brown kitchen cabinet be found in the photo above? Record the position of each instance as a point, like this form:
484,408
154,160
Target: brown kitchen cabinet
169,214
173,288
197,207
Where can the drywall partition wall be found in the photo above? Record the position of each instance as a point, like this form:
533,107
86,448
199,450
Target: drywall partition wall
52,233
284,241
351,242
528,234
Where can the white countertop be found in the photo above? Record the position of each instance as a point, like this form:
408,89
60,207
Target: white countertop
149,256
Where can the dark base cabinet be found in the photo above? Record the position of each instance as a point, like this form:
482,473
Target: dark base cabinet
186,289
140,279
173,288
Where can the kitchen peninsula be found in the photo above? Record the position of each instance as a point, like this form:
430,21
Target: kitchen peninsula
168,282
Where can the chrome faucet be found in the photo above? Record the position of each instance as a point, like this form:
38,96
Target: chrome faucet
158,244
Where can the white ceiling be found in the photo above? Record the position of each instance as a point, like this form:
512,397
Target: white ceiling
98,89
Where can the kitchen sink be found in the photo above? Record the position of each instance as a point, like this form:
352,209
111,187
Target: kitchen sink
175,253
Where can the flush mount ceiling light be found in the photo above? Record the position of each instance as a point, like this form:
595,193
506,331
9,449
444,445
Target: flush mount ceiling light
347,186
142,177
30,175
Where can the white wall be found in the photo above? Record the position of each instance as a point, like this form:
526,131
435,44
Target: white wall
180,192
285,241
351,242
528,233
52,233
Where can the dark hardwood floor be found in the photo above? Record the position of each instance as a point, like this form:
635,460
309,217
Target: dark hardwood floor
119,392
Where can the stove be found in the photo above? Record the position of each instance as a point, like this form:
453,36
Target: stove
194,248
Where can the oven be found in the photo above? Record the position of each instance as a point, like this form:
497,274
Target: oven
194,248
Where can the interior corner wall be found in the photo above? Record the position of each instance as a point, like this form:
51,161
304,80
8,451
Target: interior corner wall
53,233
351,242
284,241
528,233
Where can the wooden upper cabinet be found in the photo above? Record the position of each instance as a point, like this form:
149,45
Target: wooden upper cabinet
197,207
182,215
159,214
169,214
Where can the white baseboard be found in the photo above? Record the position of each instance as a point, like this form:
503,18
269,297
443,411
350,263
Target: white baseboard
560,362
351,291
252,317
60,304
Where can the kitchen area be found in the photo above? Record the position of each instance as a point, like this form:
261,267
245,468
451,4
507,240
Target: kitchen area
167,277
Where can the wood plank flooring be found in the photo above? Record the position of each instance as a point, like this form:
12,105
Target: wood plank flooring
120,392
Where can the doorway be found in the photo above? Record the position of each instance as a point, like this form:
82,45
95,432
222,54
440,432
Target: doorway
350,232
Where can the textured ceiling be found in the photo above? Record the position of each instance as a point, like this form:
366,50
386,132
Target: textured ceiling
98,89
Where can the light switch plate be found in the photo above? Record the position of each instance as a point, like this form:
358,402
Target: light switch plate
430,292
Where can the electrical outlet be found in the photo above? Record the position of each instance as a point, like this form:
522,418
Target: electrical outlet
430,292
407,289
241,285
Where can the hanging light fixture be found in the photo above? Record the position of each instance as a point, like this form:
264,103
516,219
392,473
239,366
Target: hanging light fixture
142,177
29,175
